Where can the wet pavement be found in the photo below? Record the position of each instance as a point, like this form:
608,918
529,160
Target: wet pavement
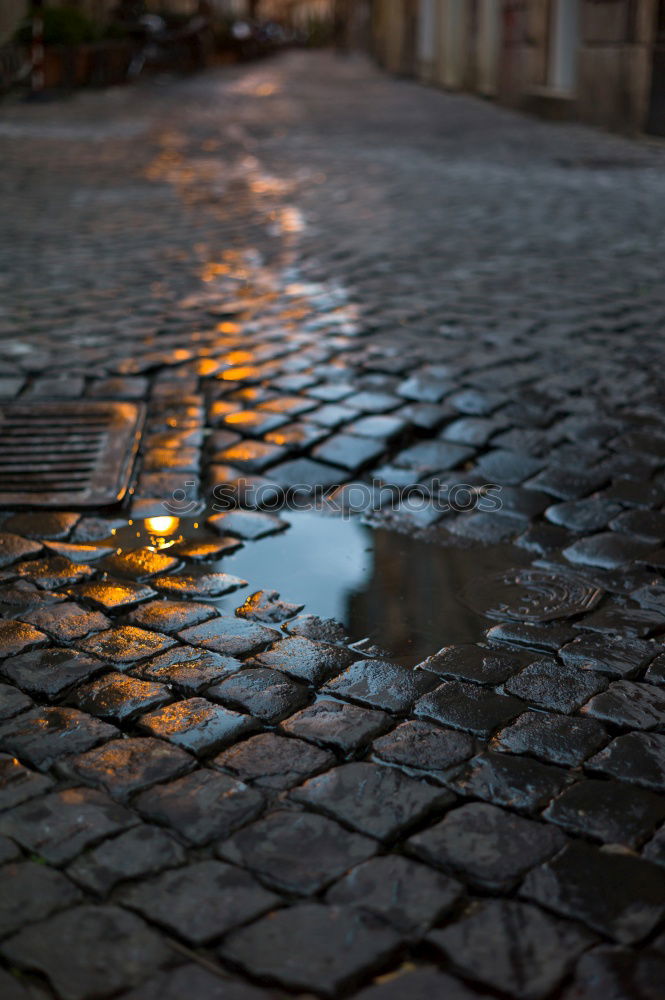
402,745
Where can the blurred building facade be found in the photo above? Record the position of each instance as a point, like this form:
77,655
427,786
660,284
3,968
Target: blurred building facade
597,61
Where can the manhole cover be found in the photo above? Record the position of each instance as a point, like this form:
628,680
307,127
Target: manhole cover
63,454
532,595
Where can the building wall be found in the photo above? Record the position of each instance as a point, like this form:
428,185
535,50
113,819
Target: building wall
589,59
615,62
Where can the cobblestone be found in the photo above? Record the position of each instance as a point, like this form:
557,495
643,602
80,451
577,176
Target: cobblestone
295,275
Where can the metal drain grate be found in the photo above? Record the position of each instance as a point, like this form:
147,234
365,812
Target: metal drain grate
67,454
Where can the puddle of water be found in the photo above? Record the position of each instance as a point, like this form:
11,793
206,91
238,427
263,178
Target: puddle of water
403,593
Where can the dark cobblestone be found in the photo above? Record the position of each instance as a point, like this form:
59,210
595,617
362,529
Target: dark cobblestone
406,895
529,954
334,724
31,892
378,801
42,735
201,806
126,766
516,782
62,824
632,901
271,761
486,847
143,850
273,849
196,725
126,951
335,947
379,684
202,901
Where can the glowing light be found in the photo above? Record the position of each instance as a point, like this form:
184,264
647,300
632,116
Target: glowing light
162,525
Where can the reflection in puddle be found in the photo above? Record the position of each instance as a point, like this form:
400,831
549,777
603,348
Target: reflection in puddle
403,593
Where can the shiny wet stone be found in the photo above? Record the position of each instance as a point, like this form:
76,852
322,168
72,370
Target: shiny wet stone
273,848
253,456
170,616
17,637
128,765
12,701
635,757
113,595
142,850
305,660
201,901
18,784
512,946
247,524
567,483
139,564
305,474
607,550
201,806
468,707
265,606
318,629
49,673
271,761
432,456
263,692
14,547
547,684
58,826
553,738
45,524
199,584
43,735
117,697
67,622
487,847
349,451
188,670
632,900
230,636
621,656
196,725
610,811
126,644
53,572
375,800
629,705
407,895
474,663
548,638
424,747
336,724
126,950
583,515
508,467
380,684
30,892
515,782
198,550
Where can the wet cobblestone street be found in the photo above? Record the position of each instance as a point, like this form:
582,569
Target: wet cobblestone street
260,753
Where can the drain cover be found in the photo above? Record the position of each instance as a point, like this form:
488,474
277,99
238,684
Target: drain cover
61,454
